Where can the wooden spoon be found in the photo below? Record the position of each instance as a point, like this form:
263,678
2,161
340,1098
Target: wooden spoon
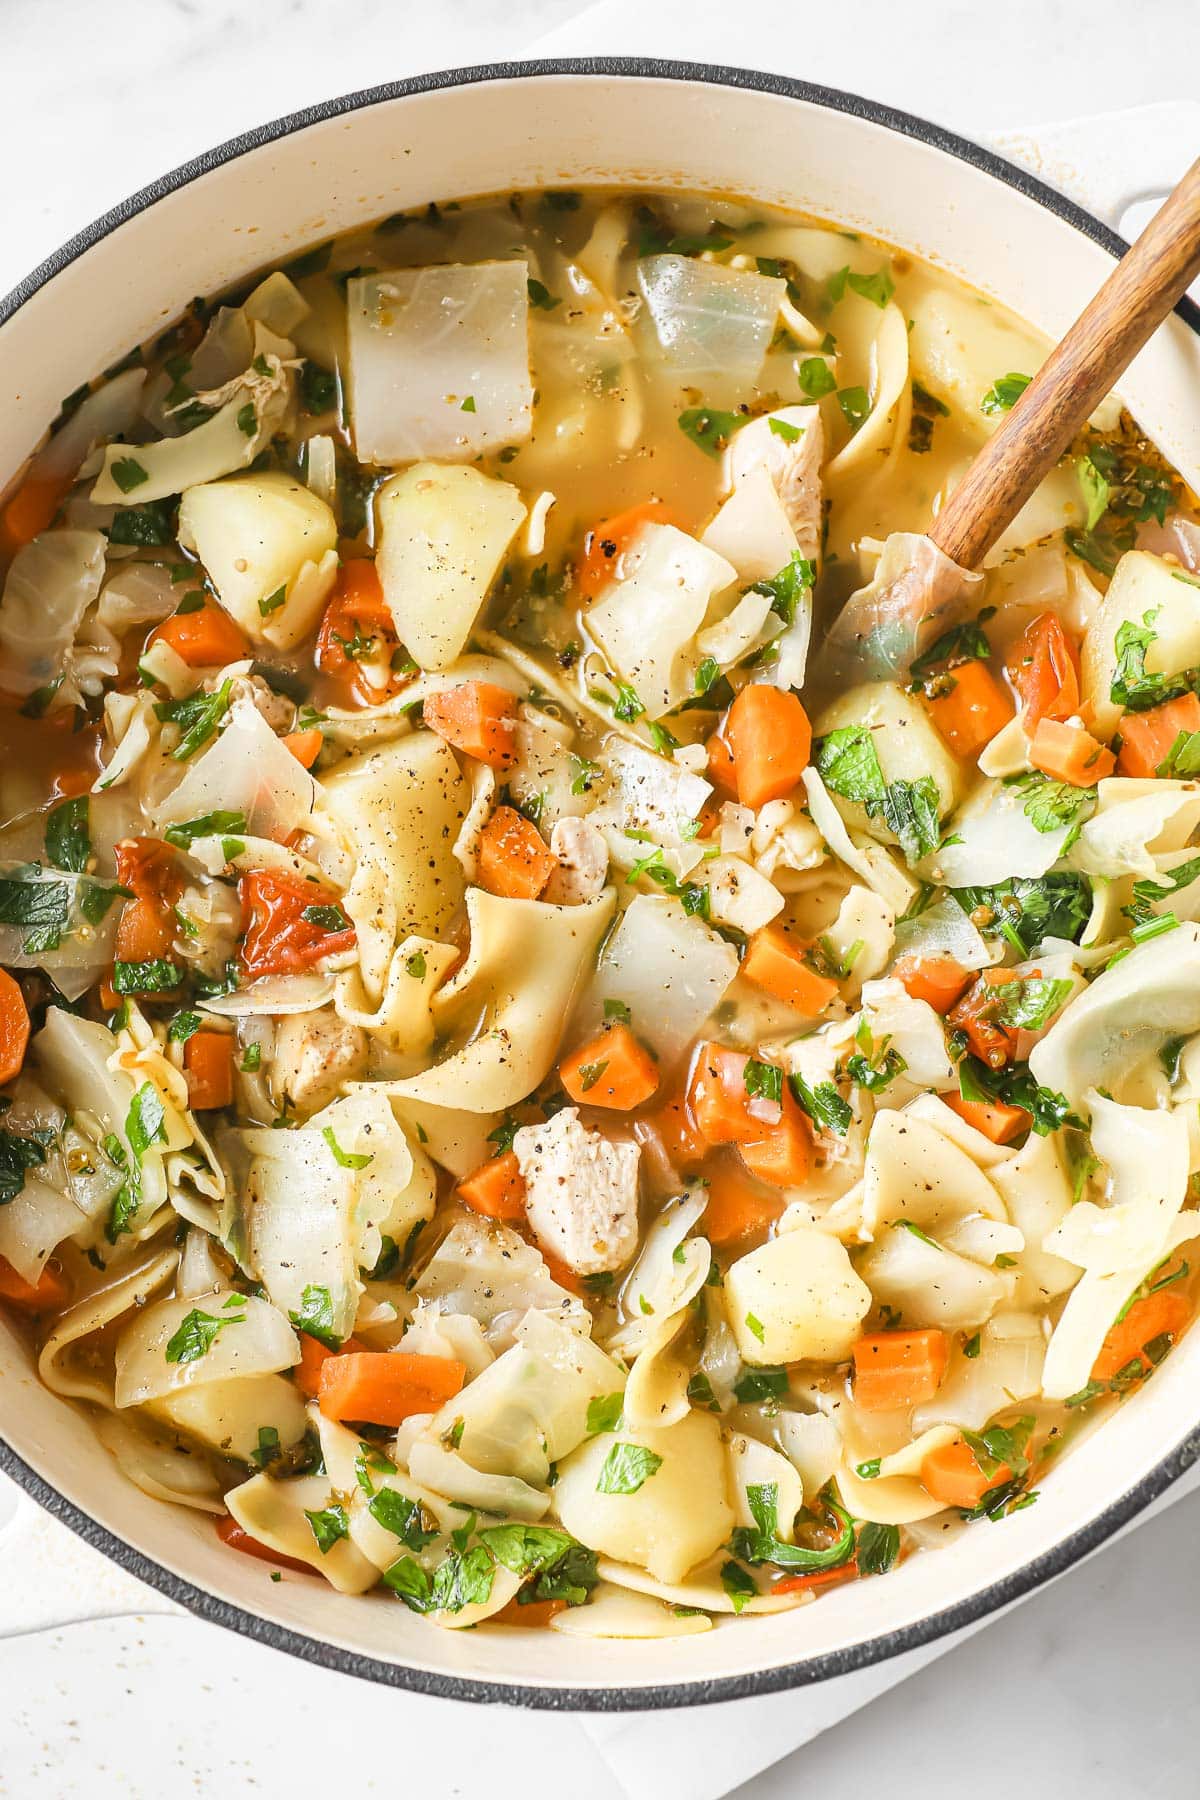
1075,377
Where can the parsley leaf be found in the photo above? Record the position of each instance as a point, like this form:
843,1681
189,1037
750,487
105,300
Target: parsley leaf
328,1526
709,428
823,1104
211,824
878,1548
626,1468
787,587
762,1079
761,1543
912,810
68,840
197,1334
16,1155
316,1316
816,377
1004,393
604,1413
405,1518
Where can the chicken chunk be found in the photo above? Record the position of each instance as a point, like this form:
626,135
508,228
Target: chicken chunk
582,863
581,1192
314,1054
278,711
794,464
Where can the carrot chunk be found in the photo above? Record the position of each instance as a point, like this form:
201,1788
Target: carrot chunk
30,511
48,1292
1044,670
1069,753
775,964
720,766
612,1070
737,1206
1147,738
313,1357
478,718
144,932
816,1579
1163,1314
994,1118
898,1368
606,541
387,1387
14,1028
969,708
782,1156
496,1190
671,1127
203,638
513,860
232,1535
770,740
208,1065
952,1477
938,980
305,746
718,1099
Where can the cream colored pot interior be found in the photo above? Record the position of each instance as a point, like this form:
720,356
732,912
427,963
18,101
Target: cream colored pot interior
265,205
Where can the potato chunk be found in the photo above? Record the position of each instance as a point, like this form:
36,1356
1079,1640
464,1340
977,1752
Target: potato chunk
795,1299
269,546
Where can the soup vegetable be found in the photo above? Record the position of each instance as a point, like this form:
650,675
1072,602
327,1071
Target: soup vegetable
529,1083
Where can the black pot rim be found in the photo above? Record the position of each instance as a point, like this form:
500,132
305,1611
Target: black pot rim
830,1664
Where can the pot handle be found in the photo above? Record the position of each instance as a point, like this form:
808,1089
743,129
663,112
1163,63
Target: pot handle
1114,162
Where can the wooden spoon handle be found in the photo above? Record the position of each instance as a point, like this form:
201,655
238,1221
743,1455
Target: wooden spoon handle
1075,377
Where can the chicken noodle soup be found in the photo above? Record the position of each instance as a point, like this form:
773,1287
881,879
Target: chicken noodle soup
566,1058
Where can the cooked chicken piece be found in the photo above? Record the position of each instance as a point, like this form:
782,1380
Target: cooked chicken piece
794,465
581,1192
276,709
314,1054
582,863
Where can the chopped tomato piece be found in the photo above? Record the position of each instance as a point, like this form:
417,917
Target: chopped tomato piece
976,1015
357,626
289,925
1044,669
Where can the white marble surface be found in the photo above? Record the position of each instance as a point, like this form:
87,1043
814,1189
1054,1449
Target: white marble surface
1085,1690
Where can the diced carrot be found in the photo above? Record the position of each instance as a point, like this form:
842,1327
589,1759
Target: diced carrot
534,1615
305,746
313,1357
14,1028
144,933
770,740
1069,753
938,980
208,1065
898,1368
232,1535
968,708
357,609
48,1292
819,1578
720,765
1044,669
1147,738
605,542
387,1387
513,860
558,1270
277,936
204,638
612,1070
30,511
496,1190
782,1156
776,964
1166,1313
952,1477
737,1206
673,1126
717,1097
477,717
148,868
975,1014
994,1118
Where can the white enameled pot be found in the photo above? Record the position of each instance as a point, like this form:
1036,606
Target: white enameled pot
263,198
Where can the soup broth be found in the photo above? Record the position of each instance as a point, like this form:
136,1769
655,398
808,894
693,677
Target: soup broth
565,1057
